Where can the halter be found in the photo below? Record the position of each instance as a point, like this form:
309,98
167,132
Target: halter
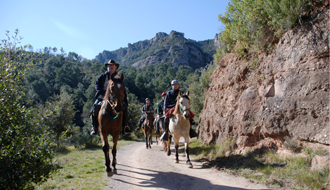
183,110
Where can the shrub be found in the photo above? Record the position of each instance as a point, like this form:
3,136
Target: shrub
25,146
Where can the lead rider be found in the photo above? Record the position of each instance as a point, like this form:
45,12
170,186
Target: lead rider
169,105
101,85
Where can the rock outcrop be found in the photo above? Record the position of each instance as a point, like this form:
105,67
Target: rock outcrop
173,49
286,95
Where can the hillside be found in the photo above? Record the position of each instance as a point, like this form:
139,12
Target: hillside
174,49
286,95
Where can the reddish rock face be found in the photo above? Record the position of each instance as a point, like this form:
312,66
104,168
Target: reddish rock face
288,95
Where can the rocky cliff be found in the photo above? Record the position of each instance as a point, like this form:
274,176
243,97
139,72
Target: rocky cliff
174,49
285,93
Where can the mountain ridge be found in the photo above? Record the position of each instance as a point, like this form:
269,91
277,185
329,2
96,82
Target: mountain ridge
171,48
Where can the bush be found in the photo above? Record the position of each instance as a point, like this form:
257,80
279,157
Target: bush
253,25
25,145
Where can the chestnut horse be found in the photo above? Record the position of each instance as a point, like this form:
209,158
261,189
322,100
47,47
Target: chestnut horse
148,127
179,126
110,119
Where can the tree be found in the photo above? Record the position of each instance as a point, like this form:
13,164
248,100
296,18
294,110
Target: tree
58,114
25,148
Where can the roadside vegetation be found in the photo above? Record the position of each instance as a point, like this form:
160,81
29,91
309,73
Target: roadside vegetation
265,166
79,168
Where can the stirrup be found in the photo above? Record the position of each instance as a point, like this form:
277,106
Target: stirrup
164,136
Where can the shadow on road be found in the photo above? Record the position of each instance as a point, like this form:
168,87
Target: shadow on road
158,179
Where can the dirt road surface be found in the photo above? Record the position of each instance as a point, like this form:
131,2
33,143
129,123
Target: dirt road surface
141,168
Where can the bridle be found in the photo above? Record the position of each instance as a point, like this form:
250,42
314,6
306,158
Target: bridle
187,109
111,103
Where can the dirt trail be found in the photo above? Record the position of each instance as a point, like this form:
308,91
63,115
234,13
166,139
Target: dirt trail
141,168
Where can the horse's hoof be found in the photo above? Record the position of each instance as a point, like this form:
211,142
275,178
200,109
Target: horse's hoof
168,153
115,171
176,161
189,164
110,174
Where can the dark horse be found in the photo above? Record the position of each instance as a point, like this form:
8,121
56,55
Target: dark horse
148,126
110,119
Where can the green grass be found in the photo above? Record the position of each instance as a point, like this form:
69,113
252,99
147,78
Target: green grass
264,166
80,169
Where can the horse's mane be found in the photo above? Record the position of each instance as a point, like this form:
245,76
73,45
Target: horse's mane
176,109
111,81
107,93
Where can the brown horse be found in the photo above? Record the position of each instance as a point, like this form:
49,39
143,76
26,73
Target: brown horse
110,119
161,130
148,127
179,126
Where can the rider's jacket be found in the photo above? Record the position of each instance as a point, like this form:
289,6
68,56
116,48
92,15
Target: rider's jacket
101,86
146,108
160,110
170,99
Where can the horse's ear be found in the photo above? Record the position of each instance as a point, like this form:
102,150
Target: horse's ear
112,76
187,93
180,94
122,76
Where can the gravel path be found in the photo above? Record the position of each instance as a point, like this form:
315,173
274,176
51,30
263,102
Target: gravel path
141,168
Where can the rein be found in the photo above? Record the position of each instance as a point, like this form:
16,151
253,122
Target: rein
111,117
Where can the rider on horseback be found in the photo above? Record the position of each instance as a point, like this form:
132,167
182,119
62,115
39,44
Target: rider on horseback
147,108
169,106
101,87
160,112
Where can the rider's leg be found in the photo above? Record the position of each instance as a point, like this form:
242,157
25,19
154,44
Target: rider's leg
192,132
125,127
157,126
94,114
165,134
140,123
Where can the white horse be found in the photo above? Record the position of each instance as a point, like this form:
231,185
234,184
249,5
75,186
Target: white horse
179,126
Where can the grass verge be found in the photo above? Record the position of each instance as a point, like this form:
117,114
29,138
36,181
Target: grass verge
80,169
264,166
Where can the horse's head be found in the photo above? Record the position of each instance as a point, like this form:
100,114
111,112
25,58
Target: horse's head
183,102
150,120
116,91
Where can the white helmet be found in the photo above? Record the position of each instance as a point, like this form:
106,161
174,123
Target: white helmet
174,82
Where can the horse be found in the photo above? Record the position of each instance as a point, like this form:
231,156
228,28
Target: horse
148,126
179,126
110,119
161,130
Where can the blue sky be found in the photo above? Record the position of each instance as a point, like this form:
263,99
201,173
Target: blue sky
89,27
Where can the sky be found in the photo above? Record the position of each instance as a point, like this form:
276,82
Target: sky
88,27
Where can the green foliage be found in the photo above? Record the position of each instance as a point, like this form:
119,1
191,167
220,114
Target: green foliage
25,147
252,25
58,114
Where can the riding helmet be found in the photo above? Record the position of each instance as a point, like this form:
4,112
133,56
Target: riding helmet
174,82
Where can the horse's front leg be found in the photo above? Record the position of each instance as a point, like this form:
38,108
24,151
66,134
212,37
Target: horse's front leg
168,145
186,144
106,147
146,138
150,139
114,153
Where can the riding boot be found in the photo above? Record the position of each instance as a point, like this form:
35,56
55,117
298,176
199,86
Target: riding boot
125,127
95,124
157,127
165,134
192,132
